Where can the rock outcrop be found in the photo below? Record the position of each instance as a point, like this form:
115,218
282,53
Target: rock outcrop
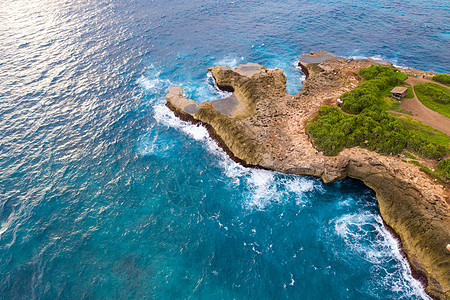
262,125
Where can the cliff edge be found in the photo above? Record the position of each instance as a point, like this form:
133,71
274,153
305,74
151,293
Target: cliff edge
262,125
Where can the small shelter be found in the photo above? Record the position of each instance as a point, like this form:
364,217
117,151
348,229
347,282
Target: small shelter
399,92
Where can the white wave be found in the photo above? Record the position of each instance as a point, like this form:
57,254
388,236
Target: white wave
229,61
353,229
262,189
357,230
153,144
214,89
5,226
299,185
299,69
153,83
164,116
266,188
393,61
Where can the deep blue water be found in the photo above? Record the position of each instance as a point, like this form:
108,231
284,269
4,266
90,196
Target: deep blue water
105,194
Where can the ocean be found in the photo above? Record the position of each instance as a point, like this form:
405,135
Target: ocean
105,194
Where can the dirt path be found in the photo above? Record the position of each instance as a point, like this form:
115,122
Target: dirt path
421,112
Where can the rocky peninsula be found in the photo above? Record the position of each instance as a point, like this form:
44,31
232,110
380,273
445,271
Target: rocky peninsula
262,125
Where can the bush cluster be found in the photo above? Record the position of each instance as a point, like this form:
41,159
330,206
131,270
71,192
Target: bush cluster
442,78
373,129
376,79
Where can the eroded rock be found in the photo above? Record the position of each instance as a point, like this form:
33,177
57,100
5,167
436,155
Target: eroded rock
262,125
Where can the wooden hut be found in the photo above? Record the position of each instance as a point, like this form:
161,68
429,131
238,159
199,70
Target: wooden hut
399,92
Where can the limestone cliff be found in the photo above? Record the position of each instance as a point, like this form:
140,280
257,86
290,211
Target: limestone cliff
262,125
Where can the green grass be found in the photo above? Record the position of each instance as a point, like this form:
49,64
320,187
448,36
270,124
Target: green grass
434,97
414,162
390,103
442,78
409,155
425,132
443,168
436,174
409,93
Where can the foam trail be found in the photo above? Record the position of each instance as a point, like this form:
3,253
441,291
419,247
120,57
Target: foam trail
214,89
263,189
164,116
393,61
356,230
231,62
153,83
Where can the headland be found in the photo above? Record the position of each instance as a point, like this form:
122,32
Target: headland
261,125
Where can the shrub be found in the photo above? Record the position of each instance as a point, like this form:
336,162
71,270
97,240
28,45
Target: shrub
442,78
326,132
373,129
370,126
376,79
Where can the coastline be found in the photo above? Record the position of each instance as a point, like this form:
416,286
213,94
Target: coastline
252,134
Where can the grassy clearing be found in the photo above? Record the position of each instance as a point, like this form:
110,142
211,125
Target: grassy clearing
390,103
434,97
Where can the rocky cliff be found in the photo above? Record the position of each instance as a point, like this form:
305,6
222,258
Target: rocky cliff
262,125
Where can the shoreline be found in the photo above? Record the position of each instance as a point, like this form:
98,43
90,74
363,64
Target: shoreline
261,130
415,273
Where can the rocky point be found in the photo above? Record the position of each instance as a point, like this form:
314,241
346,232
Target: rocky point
262,125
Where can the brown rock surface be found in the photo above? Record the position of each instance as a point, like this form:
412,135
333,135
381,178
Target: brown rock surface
265,126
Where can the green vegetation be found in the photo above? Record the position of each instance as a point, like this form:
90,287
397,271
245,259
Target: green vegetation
441,172
414,162
443,167
409,93
390,103
373,128
442,78
409,155
425,132
435,97
376,80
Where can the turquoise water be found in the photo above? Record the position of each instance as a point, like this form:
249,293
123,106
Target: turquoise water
105,194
